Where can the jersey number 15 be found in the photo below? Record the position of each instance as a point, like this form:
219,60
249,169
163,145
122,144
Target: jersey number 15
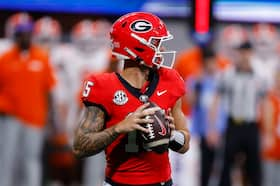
87,88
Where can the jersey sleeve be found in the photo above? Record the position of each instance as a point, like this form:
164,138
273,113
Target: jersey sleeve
94,93
174,83
179,84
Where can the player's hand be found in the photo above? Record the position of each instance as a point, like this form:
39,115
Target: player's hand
134,120
170,120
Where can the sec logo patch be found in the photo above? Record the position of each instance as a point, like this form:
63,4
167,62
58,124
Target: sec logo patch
120,97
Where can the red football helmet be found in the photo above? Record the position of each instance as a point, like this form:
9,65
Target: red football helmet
19,22
139,36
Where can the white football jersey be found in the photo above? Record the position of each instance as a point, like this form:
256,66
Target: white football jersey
72,65
265,68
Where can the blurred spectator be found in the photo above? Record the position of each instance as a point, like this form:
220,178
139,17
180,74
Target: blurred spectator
271,134
265,59
7,42
229,39
207,114
242,90
26,79
59,161
47,32
189,63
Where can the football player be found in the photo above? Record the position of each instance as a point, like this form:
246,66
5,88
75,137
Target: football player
265,58
230,37
47,32
115,113
60,162
7,42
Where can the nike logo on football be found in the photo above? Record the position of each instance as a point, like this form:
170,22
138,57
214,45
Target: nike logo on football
159,93
162,127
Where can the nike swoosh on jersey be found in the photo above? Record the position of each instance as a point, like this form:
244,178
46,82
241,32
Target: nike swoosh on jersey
159,93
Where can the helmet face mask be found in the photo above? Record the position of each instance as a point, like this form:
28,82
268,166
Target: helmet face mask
141,36
162,58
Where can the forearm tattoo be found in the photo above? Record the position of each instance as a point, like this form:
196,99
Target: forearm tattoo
90,138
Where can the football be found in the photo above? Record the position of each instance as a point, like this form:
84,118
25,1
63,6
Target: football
158,137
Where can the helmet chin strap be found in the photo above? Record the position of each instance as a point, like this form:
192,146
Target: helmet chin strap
136,58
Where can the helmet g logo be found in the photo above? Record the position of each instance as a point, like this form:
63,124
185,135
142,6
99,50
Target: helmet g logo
141,26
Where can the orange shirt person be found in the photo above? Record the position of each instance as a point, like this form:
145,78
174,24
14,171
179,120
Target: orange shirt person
26,79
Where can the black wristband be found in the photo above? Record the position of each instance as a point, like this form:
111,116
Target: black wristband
177,141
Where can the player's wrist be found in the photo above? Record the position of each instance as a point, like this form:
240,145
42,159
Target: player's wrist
117,129
177,140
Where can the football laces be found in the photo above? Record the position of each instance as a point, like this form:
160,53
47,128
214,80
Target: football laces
151,134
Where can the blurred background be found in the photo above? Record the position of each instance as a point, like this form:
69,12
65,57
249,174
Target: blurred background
227,53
